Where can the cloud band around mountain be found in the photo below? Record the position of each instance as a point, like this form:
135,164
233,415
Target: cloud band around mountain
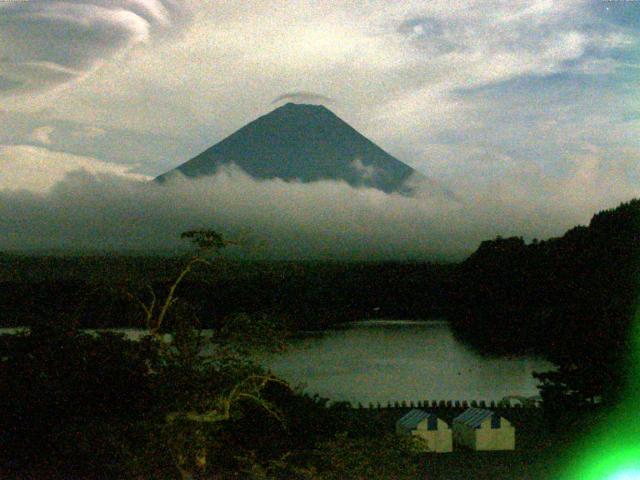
109,210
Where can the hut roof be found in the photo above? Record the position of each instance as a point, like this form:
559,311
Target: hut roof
411,420
473,417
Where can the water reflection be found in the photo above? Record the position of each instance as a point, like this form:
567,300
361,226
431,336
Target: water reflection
382,361
379,361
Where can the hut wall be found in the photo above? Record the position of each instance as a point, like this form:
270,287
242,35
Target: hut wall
496,439
485,437
439,441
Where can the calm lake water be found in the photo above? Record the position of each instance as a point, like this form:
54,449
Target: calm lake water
381,361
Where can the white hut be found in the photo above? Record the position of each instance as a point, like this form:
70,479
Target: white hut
427,426
481,429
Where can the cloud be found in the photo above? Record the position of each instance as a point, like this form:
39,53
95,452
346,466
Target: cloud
67,40
42,134
38,169
473,93
9,84
368,172
291,220
89,132
303,97
396,67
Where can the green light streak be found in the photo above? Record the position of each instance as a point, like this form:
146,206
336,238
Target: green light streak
627,475
612,452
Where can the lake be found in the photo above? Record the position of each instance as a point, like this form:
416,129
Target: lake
387,361
382,361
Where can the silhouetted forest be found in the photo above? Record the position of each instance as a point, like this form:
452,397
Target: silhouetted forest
102,291
80,405
102,406
570,298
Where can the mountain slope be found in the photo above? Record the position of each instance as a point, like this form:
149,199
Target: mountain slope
306,143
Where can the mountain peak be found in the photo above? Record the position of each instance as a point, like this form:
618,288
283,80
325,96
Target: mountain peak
304,142
302,109
314,106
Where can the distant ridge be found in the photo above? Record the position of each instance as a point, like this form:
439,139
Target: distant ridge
306,143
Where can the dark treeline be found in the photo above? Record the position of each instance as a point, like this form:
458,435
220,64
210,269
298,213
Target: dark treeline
75,405
84,406
102,291
570,299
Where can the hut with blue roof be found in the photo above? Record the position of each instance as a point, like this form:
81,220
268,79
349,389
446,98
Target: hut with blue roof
435,433
481,429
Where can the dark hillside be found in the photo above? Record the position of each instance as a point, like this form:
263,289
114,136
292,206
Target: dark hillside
569,298
310,294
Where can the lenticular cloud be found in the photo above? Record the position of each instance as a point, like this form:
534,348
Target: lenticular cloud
67,40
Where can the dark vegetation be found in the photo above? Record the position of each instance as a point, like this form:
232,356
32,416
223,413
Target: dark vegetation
310,294
69,400
80,405
570,299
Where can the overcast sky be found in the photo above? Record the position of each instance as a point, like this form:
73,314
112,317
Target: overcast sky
532,107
